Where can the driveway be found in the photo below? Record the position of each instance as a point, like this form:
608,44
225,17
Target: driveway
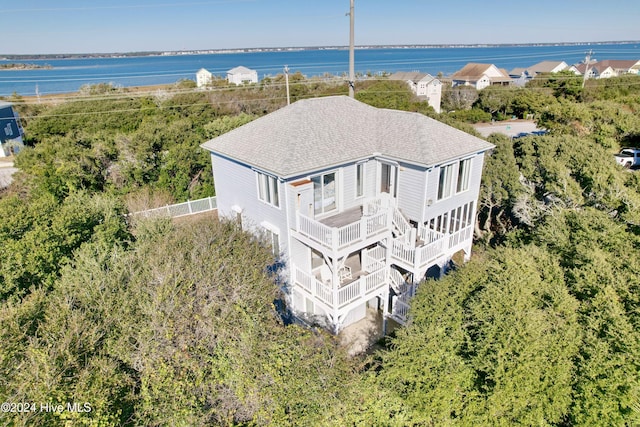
509,127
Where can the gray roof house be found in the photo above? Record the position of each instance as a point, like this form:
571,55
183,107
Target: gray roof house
609,68
360,203
522,75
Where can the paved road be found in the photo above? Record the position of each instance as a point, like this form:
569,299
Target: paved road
509,128
6,170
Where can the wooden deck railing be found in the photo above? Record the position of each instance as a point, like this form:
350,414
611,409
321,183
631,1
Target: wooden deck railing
356,290
419,256
400,310
337,238
460,236
312,285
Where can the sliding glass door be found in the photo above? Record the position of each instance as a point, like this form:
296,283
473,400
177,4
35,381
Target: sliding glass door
324,193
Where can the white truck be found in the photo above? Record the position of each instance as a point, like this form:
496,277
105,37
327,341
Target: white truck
628,157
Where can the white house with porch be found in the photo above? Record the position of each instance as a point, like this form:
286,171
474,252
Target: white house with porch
480,76
360,203
242,75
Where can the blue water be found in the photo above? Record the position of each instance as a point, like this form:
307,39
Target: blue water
68,75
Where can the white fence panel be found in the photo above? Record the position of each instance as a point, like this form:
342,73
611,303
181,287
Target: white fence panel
181,209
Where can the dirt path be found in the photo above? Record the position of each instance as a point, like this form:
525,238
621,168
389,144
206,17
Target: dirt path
6,170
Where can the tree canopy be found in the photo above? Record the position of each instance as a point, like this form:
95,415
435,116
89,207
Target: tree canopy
176,323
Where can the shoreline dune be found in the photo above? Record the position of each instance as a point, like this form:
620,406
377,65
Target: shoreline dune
45,98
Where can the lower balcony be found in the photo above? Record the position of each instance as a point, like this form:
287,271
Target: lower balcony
354,287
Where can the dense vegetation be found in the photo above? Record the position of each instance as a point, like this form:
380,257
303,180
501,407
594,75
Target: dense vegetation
164,323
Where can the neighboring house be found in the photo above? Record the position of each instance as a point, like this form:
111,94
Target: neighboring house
609,68
423,85
621,67
480,76
360,203
548,67
242,75
596,70
11,131
203,77
522,75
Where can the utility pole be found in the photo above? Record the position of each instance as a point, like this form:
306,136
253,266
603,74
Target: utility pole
352,77
286,79
587,61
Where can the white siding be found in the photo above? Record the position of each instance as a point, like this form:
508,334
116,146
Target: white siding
412,181
236,185
349,184
439,207
371,180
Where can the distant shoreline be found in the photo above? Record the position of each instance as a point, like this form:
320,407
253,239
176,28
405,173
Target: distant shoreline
291,49
22,66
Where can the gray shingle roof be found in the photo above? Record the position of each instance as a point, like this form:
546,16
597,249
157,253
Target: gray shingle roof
318,133
240,70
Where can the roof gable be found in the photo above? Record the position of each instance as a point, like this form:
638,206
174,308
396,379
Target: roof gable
474,71
240,70
548,67
319,133
619,63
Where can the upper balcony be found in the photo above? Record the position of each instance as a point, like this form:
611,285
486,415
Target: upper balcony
341,233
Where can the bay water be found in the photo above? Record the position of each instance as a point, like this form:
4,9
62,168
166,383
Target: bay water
68,75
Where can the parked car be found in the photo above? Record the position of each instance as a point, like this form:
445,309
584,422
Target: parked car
628,157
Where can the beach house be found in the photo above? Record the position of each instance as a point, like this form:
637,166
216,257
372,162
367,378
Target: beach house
359,203
242,75
203,77
480,76
423,85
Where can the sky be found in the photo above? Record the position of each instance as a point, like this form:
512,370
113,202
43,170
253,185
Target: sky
99,26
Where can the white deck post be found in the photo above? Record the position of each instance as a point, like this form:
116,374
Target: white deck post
335,284
385,310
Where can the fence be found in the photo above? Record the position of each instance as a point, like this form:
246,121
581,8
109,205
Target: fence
181,209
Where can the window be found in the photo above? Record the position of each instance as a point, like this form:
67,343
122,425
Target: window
268,189
360,180
444,184
464,168
324,193
274,241
271,237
